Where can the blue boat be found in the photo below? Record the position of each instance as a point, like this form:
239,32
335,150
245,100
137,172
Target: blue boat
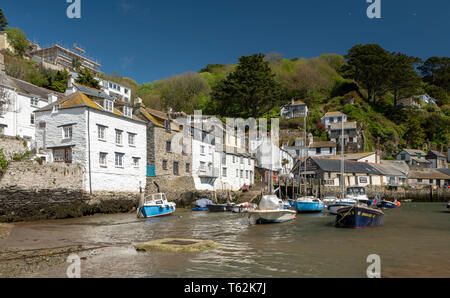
388,205
202,205
309,205
156,205
357,217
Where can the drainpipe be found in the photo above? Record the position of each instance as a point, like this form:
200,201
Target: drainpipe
89,151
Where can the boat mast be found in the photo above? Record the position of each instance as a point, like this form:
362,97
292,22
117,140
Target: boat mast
306,155
342,162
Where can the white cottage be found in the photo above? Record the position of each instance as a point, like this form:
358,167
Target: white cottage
18,102
98,133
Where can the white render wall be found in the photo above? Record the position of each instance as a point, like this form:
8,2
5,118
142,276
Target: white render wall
127,178
109,178
324,152
18,115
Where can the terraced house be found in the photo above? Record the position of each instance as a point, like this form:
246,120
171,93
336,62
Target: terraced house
90,128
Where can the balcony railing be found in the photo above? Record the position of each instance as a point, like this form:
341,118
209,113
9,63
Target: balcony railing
208,173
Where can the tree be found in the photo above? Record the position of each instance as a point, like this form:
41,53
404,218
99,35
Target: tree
249,91
3,21
369,66
415,135
86,78
18,40
403,79
59,82
436,71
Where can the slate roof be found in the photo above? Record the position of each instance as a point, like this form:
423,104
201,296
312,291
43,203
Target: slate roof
445,171
389,170
347,125
29,89
438,154
322,144
334,165
333,114
428,174
415,152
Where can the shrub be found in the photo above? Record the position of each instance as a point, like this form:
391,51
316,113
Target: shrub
3,161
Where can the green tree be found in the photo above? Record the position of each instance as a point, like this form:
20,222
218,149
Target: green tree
403,79
369,66
3,21
86,78
18,40
415,135
59,82
436,71
249,91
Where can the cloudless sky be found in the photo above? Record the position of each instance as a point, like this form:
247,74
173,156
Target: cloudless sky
149,40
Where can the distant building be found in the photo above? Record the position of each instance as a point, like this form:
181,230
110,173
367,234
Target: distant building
428,177
59,58
426,99
353,136
414,158
409,102
294,109
437,159
321,148
367,157
333,118
18,102
4,43
115,90
91,129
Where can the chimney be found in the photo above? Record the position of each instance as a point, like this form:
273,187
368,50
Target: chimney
52,98
70,85
138,101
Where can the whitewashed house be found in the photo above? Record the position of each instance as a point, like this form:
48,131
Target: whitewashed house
294,109
115,90
333,118
18,102
99,133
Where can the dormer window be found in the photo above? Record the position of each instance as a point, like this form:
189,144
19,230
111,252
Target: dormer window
128,112
34,102
56,108
109,105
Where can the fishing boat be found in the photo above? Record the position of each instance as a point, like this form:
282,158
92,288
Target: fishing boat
309,205
388,205
329,200
221,207
244,207
333,208
271,210
155,205
202,205
359,217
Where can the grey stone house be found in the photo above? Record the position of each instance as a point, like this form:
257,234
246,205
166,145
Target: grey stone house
437,159
414,158
162,159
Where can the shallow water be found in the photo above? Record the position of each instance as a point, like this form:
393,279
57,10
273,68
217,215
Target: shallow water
414,242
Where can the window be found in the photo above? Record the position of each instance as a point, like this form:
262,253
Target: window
242,160
419,180
202,166
318,150
431,181
67,133
101,132
164,164
131,139
202,149
34,101
188,167
403,156
136,161
242,173
32,119
249,161
224,172
224,159
126,91
109,105
128,112
168,146
56,108
246,174
102,159
175,168
119,137
119,159
167,125
62,155
234,159
237,173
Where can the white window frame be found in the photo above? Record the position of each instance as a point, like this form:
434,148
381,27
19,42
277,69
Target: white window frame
101,132
34,101
131,139
136,161
128,112
32,119
102,159
67,132
119,137
108,105
118,160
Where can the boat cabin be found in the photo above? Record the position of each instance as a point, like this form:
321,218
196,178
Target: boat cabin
158,199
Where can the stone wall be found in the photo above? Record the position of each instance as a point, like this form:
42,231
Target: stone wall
11,146
181,190
31,175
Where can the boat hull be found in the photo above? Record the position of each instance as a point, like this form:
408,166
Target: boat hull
333,208
198,209
220,208
156,211
309,207
272,216
386,205
359,217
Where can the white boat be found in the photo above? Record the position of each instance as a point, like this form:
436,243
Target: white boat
333,208
271,210
358,194
244,208
328,200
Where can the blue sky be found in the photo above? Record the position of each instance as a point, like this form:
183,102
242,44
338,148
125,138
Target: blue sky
149,40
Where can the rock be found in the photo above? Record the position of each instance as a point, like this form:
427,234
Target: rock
5,230
177,245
